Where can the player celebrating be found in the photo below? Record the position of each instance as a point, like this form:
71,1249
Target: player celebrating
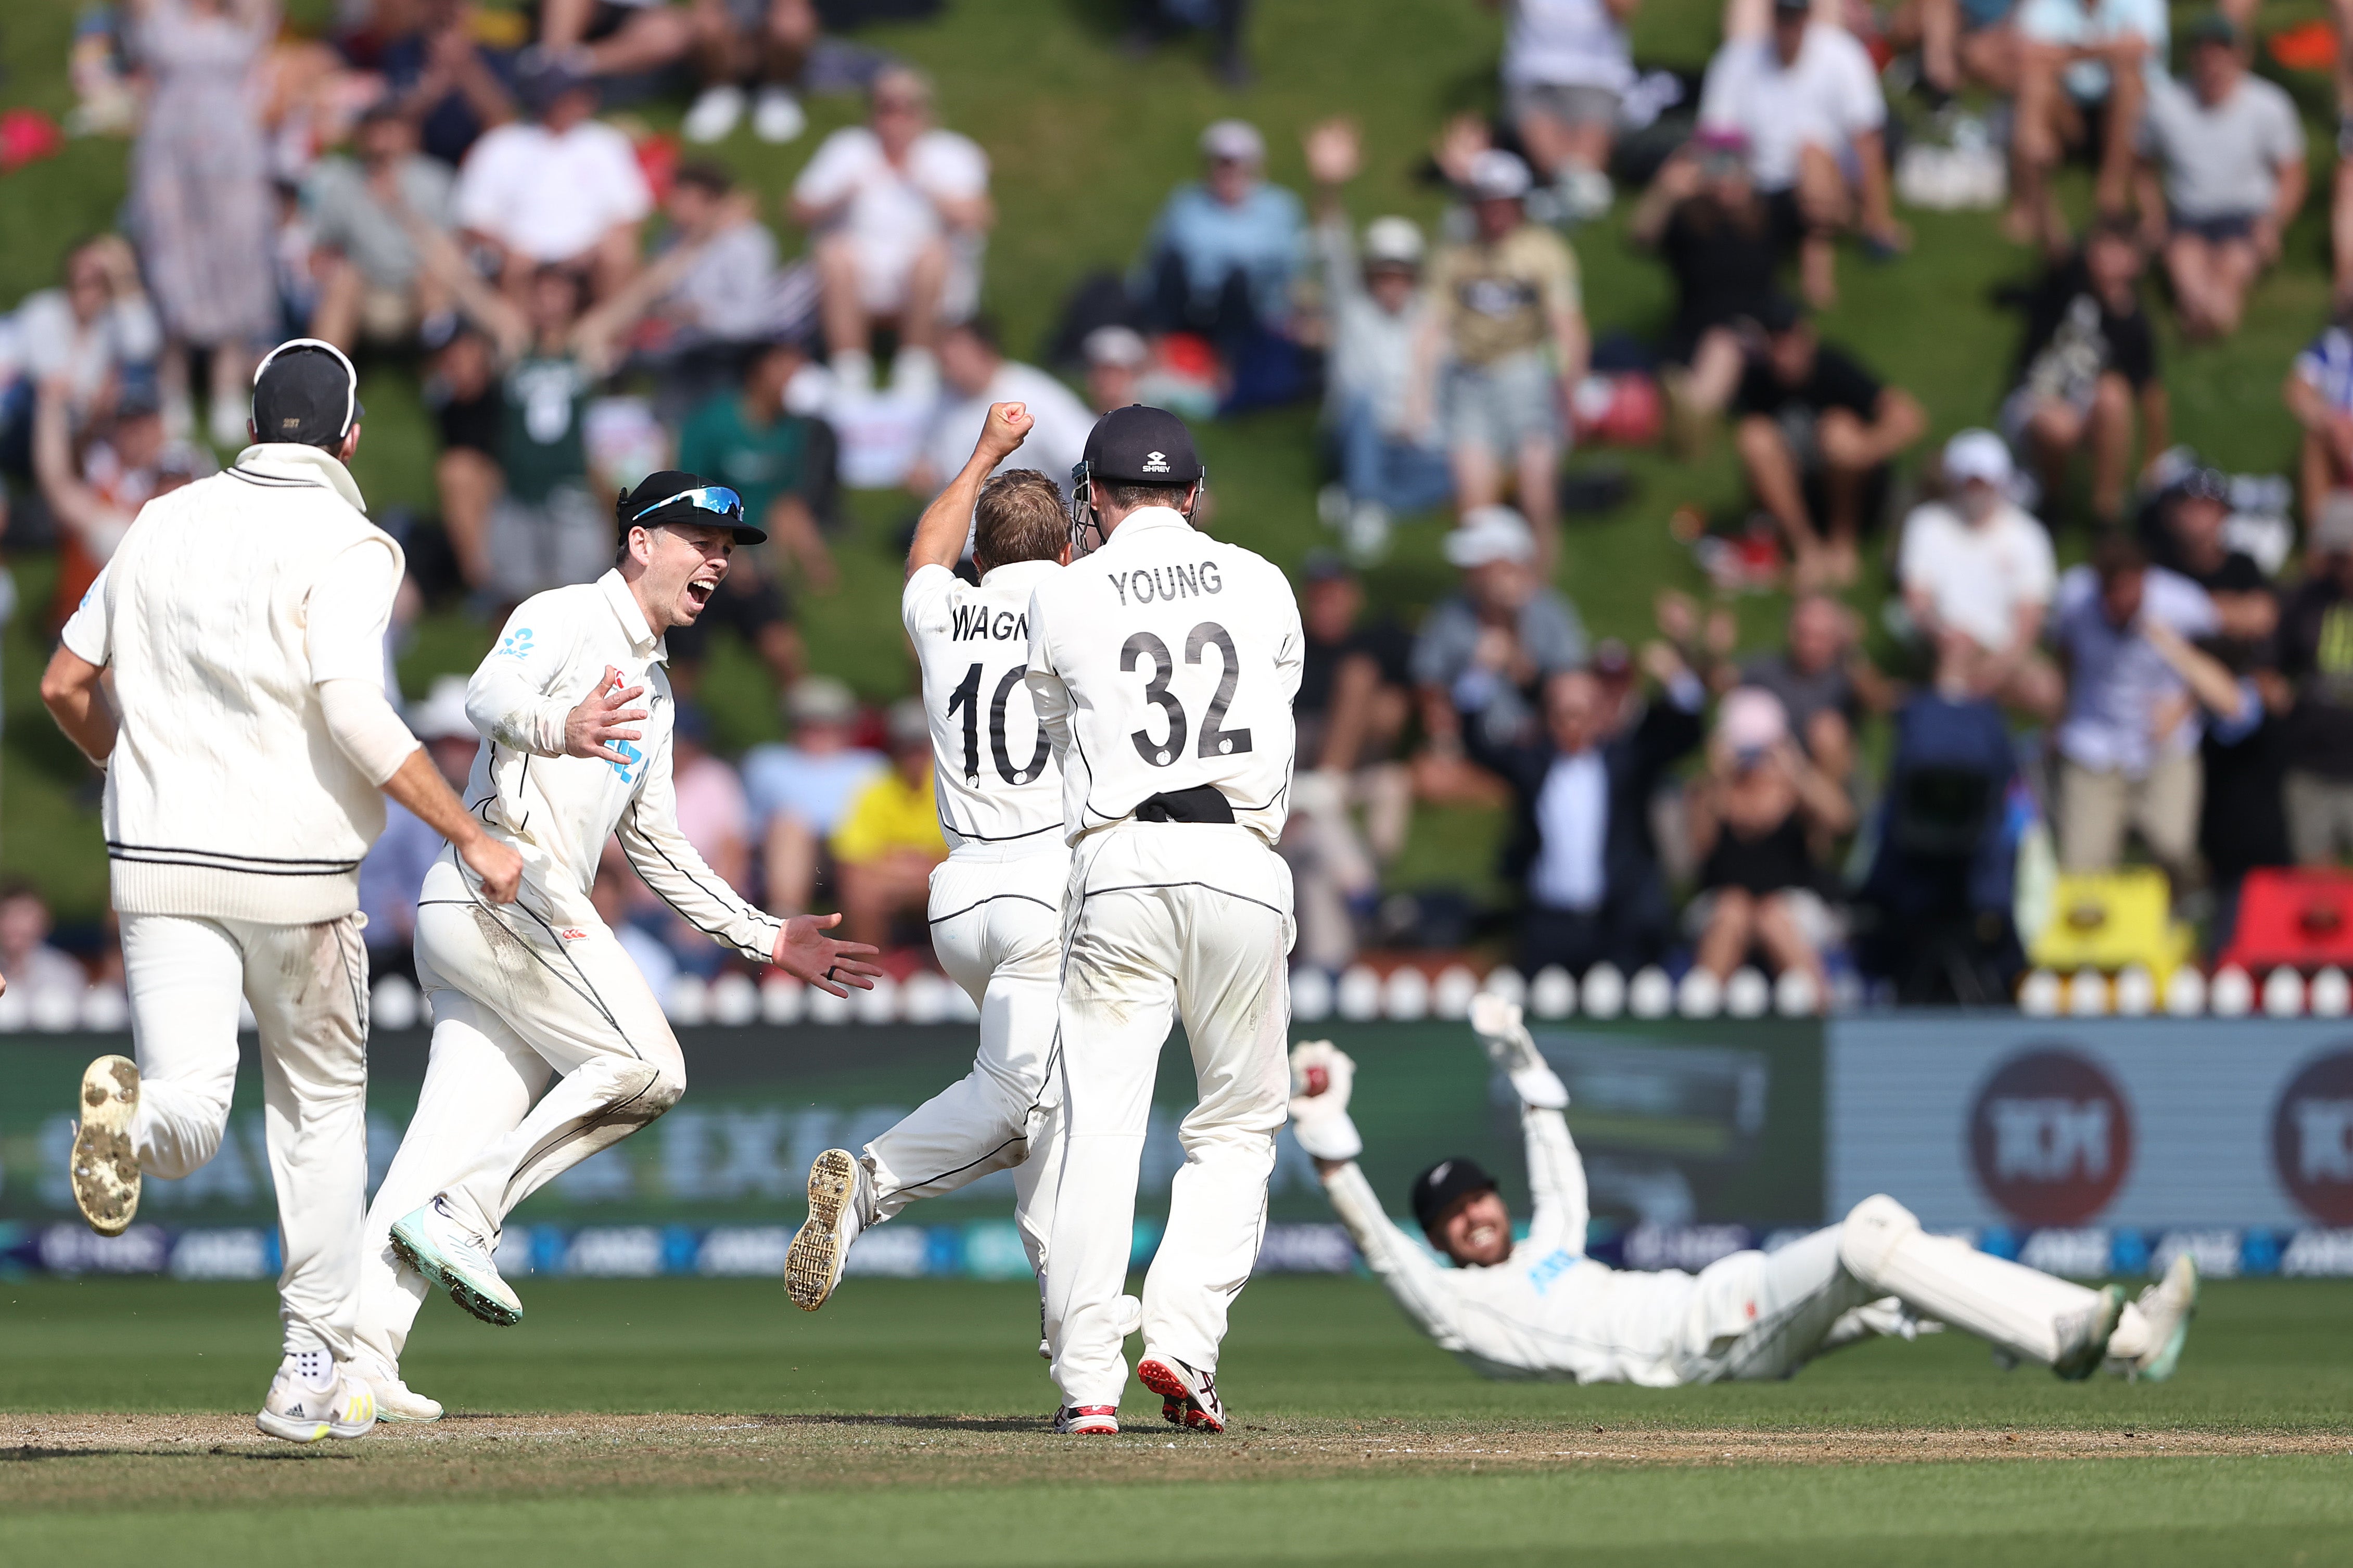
243,619
569,758
997,904
1164,666
1543,1310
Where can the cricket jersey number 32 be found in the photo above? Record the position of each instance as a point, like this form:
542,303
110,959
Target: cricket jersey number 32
1171,659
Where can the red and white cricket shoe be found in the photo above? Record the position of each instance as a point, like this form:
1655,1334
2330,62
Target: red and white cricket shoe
1188,1397
1088,1420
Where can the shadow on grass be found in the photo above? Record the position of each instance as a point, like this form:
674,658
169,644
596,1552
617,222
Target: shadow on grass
917,1423
28,1455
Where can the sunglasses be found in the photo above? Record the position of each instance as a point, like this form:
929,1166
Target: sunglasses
715,498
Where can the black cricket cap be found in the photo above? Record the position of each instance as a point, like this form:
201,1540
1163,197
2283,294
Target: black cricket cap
1140,445
673,495
1446,1184
307,393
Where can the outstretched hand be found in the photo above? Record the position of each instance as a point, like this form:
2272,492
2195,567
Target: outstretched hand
603,718
804,951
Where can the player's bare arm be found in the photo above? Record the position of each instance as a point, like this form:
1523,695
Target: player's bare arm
419,786
72,688
940,534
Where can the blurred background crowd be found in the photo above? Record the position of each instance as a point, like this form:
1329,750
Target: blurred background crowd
1738,514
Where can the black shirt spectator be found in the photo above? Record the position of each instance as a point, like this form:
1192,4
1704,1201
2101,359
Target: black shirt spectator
2074,334
1722,265
1836,381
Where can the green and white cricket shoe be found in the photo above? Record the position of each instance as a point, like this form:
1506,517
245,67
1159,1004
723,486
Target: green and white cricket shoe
2083,1336
105,1168
2168,1306
397,1402
300,1413
434,1242
836,1215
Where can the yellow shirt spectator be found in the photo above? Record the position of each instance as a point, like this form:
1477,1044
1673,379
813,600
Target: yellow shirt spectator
890,815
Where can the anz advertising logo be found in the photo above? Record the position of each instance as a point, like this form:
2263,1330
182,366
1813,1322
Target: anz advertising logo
630,749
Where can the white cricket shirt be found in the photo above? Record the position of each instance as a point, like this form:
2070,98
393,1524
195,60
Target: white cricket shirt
1164,661
995,778
556,811
1547,1310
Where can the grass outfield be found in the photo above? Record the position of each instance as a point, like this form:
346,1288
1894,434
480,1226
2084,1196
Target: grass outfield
708,1421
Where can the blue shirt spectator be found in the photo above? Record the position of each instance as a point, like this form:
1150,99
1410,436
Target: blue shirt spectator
1229,226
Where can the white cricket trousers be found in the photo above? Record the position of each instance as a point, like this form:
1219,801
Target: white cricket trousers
1795,1298
516,998
1165,921
996,926
308,986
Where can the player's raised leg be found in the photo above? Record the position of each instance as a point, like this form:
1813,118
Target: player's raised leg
2031,1315
480,1082
582,1006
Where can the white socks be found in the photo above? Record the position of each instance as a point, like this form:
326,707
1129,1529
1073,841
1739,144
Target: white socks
315,1368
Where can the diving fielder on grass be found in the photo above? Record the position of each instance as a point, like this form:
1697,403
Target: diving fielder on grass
243,619
996,901
1543,1310
569,758
1162,664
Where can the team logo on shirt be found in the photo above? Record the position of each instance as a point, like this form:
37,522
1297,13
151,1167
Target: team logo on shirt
517,643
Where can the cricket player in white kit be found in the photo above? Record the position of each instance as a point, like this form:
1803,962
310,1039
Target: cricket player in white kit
996,901
243,619
1164,664
542,987
1543,1310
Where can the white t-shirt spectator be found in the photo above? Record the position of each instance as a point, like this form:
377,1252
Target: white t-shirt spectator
1567,43
2079,25
54,344
2222,162
1978,577
1058,440
1825,97
551,197
891,215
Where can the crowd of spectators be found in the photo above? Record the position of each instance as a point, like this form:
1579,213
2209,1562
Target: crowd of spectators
443,186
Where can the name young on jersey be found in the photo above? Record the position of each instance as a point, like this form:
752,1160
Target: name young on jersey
1148,584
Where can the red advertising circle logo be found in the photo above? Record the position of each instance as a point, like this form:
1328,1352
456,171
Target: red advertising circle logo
2312,1138
2051,1137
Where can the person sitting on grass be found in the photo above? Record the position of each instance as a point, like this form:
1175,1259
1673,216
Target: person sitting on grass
2086,368
1815,434
1541,1309
1759,817
2228,151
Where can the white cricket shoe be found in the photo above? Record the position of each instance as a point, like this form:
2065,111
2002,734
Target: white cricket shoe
1088,1420
2168,1305
432,1241
301,1413
2083,1336
396,1401
105,1167
777,116
813,1263
713,116
1188,1396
